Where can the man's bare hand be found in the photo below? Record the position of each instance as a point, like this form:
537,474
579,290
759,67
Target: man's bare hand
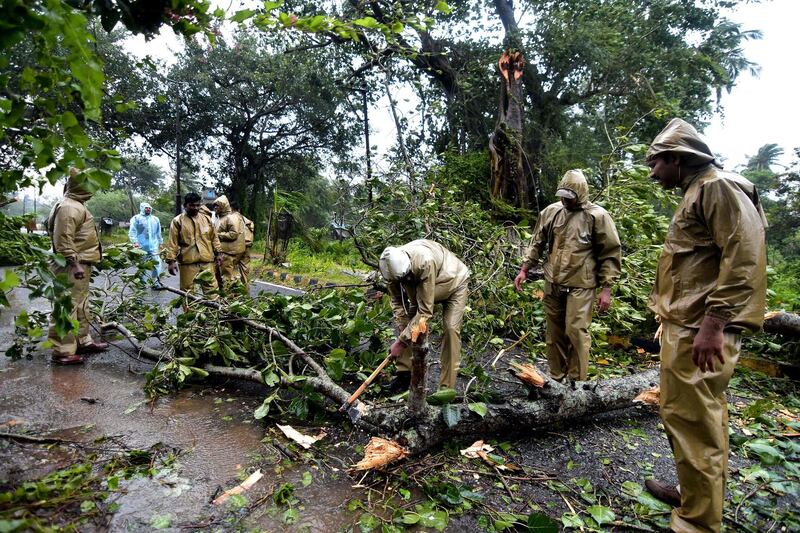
397,348
604,300
708,344
172,267
77,271
521,278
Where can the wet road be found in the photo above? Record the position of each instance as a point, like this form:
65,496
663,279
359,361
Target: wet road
219,440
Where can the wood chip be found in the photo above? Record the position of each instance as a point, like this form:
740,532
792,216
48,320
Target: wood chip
528,374
420,328
303,440
245,485
380,452
649,397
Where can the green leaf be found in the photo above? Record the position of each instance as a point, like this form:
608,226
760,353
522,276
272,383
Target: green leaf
263,409
479,408
284,494
242,15
307,478
541,523
367,22
442,397
270,378
768,454
290,516
442,7
161,522
10,280
451,415
87,506
368,522
601,514
571,520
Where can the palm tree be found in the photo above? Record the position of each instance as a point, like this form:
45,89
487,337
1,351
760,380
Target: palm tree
766,156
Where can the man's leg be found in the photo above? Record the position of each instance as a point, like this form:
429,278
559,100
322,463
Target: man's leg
694,412
557,342
227,270
187,274
244,267
452,316
578,318
67,345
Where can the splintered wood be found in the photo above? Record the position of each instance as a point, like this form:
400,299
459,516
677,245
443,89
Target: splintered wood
650,397
380,452
421,328
246,484
528,374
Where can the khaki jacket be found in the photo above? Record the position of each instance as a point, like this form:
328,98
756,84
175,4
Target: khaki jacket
436,273
714,257
72,227
250,232
583,248
231,228
192,239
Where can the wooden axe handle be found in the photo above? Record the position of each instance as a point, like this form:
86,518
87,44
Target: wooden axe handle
369,380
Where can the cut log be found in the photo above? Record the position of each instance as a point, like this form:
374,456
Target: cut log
782,323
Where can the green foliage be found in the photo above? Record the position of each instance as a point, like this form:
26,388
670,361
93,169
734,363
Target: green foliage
69,498
18,248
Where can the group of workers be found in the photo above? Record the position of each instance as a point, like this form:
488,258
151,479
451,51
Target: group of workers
710,287
198,242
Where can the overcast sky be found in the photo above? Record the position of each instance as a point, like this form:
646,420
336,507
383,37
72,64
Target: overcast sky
765,109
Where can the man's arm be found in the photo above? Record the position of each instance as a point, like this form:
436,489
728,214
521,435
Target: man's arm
535,249
65,225
132,233
607,251
426,292
737,229
173,244
228,230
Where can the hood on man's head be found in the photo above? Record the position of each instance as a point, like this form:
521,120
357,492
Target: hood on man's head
76,187
681,138
574,181
394,263
223,204
143,206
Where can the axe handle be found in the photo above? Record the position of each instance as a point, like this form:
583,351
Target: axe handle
369,380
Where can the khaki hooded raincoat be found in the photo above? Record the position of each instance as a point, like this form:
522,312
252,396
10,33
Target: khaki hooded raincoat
713,263
583,252
582,246
74,236
232,233
436,276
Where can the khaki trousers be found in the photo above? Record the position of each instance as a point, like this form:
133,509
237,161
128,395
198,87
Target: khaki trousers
568,317
245,267
695,416
80,311
190,271
231,269
452,317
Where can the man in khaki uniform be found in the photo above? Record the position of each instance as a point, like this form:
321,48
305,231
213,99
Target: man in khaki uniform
193,246
583,251
710,287
232,234
74,236
420,274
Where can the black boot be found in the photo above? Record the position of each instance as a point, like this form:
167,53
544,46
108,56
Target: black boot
400,383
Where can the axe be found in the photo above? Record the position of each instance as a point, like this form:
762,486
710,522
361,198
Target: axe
355,410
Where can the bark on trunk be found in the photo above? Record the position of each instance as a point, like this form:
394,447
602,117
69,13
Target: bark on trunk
782,323
509,181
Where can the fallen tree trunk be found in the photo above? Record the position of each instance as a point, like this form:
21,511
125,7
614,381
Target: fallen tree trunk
421,429
782,323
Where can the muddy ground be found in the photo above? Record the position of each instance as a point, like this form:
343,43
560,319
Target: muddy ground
217,444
